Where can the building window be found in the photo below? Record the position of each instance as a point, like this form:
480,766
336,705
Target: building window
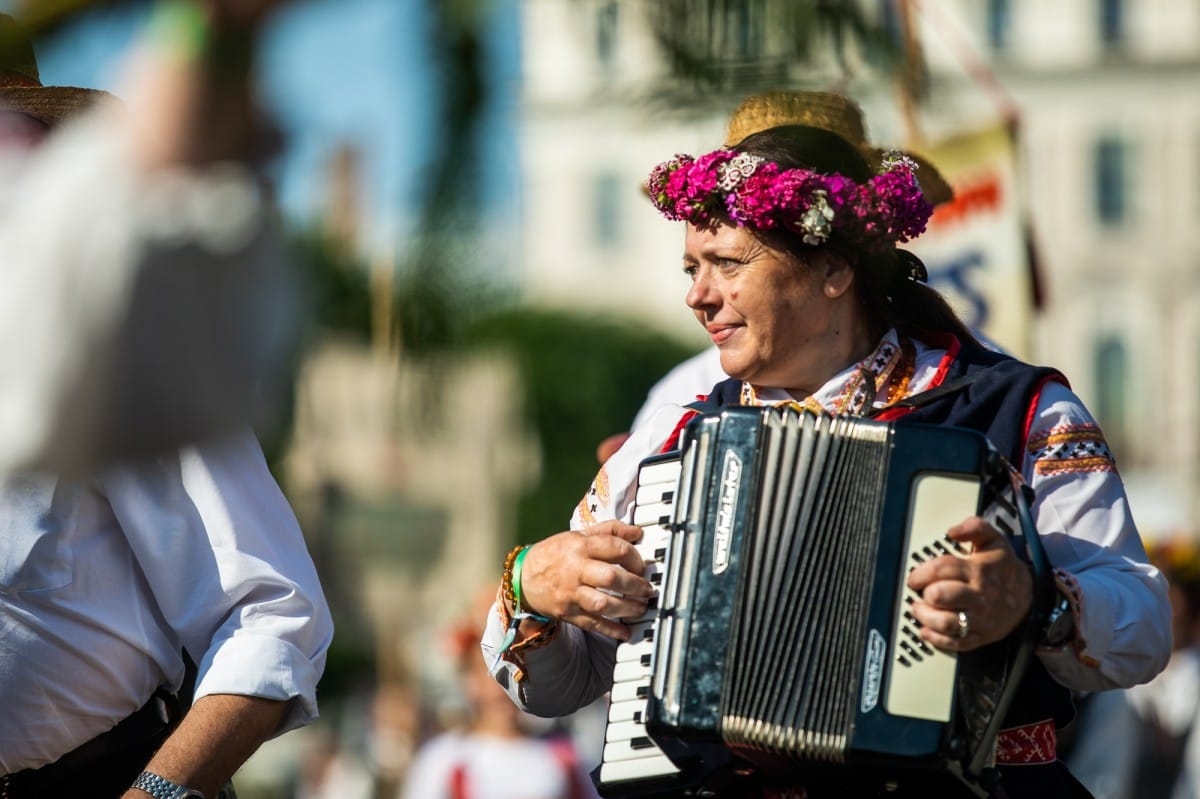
606,33
1112,22
1111,175
1112,389
743,31
999,18
607,189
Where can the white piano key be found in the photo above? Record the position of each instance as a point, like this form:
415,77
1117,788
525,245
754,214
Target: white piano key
656,494
642,631
629,691
625,731
634,710
658,513
632,749
632,650
653,538
631,670
638,769
667,472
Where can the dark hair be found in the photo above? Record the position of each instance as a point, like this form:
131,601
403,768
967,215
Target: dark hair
884,283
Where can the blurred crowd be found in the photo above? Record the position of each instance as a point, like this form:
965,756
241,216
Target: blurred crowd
415,744
448,735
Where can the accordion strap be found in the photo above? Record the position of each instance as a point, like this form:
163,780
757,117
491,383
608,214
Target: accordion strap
932,395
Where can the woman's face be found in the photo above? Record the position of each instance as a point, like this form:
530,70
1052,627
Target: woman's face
776,320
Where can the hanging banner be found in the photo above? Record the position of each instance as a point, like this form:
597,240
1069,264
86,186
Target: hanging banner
975,247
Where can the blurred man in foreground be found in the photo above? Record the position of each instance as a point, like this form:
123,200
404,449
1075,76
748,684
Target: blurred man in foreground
160,615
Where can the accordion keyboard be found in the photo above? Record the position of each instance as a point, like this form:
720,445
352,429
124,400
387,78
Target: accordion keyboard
629,754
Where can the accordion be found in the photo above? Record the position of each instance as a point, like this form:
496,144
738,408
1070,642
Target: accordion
781,645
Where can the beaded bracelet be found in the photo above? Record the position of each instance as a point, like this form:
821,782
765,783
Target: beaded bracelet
506,582
516,578
510,592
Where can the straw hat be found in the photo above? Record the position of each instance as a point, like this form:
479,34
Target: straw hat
832,112
21,87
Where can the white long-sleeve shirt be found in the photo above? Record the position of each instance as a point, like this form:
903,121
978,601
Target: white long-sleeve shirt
104,581
1081,512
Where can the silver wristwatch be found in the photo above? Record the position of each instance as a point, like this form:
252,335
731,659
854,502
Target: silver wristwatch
163,788
1060,623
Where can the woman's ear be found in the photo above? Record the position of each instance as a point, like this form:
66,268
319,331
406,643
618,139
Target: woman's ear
837,271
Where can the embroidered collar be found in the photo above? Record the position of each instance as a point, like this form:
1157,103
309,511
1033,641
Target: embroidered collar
878,380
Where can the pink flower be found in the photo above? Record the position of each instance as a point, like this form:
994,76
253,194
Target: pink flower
886,210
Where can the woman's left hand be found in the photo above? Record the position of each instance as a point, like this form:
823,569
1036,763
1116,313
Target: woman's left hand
968,602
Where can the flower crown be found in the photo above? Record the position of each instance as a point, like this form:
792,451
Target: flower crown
750,191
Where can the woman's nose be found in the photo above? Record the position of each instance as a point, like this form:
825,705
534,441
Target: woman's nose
702,293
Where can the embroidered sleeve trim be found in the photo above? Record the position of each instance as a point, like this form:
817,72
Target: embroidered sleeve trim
1069,449
597,496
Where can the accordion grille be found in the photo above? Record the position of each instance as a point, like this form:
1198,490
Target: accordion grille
798,632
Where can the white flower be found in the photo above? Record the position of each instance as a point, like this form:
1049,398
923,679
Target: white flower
735,170
817,221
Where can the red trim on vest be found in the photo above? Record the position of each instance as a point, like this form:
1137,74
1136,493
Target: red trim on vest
1030,745
673,440
1031,411
893,413
952,346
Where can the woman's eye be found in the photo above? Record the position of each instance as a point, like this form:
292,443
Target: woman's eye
690,270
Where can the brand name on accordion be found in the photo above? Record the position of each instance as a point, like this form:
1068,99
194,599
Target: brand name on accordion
731,483
873,670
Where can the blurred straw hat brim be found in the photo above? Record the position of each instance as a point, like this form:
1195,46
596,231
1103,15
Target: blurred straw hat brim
835,113
21,86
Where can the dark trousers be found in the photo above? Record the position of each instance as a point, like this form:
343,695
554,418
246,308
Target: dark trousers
104,767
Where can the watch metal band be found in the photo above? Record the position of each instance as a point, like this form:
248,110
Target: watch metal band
163,788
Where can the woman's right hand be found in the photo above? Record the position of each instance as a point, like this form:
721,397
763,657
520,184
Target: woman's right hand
588,578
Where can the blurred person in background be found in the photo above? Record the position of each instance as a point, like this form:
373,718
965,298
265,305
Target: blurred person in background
160,616
792,255
1159,755
496,755
145,299
327,771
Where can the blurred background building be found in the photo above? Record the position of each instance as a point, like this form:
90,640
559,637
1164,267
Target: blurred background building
493,294
1101,190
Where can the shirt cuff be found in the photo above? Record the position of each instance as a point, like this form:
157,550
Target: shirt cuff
283,673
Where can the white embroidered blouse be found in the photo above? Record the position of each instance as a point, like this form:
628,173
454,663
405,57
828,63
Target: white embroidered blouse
1122,612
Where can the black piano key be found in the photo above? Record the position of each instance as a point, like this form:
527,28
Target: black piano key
643,691
645,659
641,742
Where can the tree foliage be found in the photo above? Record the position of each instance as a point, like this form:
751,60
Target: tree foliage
585,377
